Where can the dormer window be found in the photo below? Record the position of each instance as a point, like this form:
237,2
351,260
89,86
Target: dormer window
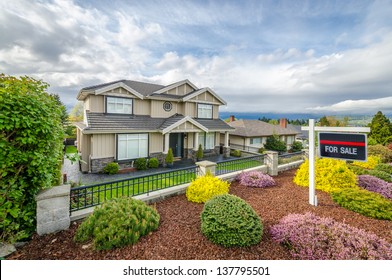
118,105
204,111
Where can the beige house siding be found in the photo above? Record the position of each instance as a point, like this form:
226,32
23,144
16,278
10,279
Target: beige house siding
85,146
141,107
103,145
237,140
190,109
157,110
205,97
155,143
215,111
96,103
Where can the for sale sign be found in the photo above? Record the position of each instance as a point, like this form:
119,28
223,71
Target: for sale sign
350,146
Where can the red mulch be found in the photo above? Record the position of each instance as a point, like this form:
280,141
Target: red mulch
179,236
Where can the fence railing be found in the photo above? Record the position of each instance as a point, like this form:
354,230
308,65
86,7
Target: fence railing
88,196
232,165
245,148
291,157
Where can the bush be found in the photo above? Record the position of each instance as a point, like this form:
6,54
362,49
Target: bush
141,164
274,144
381,151
153,163
387,168
255,179
205,187
261,150
111,168
331,174
228,220
31,150
169,157
364,202
117,223
371,163
311,237
296,147
235,153
376,185
376,173
199,153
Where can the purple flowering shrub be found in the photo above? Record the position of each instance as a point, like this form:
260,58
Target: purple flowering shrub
255,179
375,184
310,237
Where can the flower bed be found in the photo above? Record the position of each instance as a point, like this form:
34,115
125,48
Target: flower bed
375,184
255,179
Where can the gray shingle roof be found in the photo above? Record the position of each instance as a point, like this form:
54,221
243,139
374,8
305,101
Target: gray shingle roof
256,128
214,124
141,87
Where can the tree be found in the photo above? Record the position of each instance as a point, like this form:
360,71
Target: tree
296,146
274,144
76,113
31,145
380,129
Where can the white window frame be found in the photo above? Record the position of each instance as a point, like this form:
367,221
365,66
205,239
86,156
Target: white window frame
119,104
204,111
259,140
132,141
207,138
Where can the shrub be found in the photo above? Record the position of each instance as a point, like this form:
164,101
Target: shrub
255,179
311,237
261,150
205,187
376,185
235,153
387,168
274,144
141,164
153,163
228,220
331,174
111,168
376,173
389,146
296,147
117,223
169,157
364,202
371,163
381,151
199,153
31,149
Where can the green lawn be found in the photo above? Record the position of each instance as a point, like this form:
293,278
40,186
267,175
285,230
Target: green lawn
70,149
237,165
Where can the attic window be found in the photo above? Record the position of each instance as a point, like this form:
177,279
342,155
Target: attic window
204,111
116,105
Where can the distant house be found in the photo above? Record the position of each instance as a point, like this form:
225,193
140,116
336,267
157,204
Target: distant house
254,133
302,136
125,120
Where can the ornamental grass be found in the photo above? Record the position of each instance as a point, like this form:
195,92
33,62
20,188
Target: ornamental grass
310,237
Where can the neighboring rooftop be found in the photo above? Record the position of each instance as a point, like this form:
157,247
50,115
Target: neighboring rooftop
256,128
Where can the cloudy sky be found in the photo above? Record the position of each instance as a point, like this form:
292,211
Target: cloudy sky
260,56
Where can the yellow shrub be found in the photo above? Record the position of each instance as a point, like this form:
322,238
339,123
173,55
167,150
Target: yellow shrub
370,163
204,188
331,175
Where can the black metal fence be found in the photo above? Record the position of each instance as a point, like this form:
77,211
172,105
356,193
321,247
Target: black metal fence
88,196
232,165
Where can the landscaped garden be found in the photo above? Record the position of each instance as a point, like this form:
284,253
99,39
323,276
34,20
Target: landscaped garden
259,218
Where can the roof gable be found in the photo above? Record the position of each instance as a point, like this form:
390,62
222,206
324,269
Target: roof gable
168,88
178,120
201,91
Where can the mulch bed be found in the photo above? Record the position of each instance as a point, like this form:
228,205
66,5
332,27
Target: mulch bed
179,236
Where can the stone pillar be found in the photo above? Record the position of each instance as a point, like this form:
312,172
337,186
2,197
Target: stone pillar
167,141
205,167
272,162
53,209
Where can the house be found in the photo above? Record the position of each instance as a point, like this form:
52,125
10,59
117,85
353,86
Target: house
252,134
125,120
302,136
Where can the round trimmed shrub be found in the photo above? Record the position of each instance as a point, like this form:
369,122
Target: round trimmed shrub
371,162
255,179
153,163
364,202
229,221
111,168
331,174
205,187
235,153
141,164
117,223
312,237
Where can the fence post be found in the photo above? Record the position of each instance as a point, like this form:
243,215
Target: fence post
272,162
53,209
205,167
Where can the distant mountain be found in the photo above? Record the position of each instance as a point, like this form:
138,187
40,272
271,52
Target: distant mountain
255,116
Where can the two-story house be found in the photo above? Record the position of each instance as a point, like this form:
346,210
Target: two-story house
125,120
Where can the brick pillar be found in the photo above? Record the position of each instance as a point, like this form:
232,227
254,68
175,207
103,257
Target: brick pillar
271,159
53,209
205,167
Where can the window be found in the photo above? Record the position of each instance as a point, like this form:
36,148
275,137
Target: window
204,111
118,105
130,146
254,141
207,140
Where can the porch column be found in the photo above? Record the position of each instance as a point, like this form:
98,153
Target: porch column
166,147
226,139
196,141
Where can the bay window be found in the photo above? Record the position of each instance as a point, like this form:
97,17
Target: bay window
131,146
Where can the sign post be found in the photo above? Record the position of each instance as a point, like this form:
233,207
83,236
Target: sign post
350,146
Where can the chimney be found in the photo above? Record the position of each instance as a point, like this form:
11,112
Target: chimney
283,123
232,118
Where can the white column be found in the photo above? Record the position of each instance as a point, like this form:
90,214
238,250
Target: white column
227,139
312,191
196,141
166,149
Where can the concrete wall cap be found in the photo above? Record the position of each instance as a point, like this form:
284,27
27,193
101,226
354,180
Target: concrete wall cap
57,191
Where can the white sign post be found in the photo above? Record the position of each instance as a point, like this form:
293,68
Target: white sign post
312,147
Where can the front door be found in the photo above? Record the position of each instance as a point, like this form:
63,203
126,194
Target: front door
176,142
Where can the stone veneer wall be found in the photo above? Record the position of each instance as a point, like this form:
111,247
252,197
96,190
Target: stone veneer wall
160,156
97,165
